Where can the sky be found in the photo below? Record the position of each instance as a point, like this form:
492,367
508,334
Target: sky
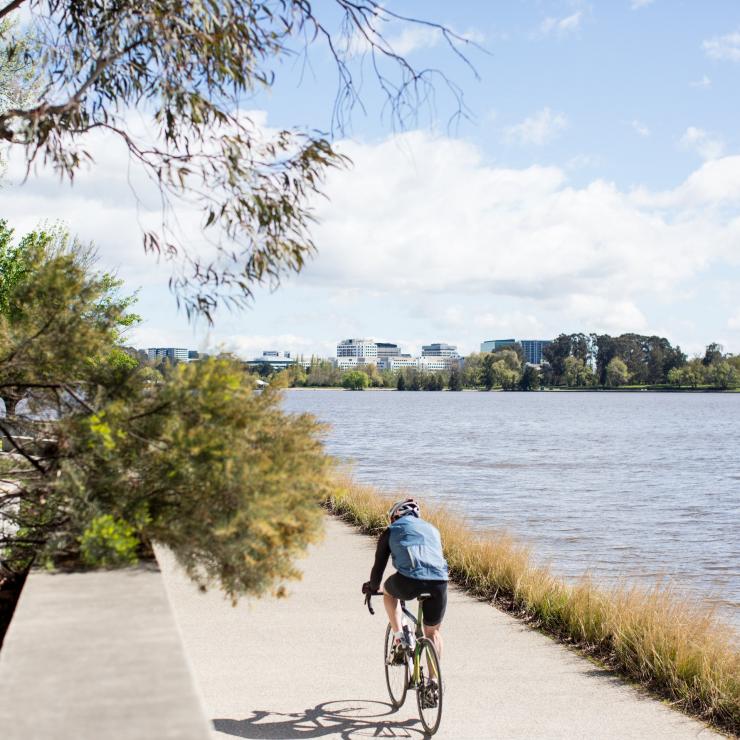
593,186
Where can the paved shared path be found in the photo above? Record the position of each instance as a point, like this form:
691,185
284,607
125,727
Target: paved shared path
310,666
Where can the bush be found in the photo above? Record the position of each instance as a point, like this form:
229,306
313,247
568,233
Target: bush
109,543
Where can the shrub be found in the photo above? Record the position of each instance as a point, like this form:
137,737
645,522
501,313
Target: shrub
108,542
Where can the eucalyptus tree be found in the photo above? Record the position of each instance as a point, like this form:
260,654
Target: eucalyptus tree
189,68
16,74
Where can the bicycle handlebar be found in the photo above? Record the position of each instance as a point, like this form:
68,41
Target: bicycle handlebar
368,596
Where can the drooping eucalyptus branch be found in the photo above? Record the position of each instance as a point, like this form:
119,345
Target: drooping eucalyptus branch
189,68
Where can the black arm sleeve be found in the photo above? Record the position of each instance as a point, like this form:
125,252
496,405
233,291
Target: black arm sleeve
382,553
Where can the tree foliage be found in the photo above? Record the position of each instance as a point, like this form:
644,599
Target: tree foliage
190,67
111,455
501,369
573,357
55,313
617,373
355,380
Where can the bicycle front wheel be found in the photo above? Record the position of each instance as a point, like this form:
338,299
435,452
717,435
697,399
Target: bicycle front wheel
429,690
396,671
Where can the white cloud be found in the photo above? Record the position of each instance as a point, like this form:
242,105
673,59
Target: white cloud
705,144
413,38
584,161
716,184
704,83
416,37
475,36
560,26
723,47
538,129
637,4
640,128
734,322
506,321
424,215
423,220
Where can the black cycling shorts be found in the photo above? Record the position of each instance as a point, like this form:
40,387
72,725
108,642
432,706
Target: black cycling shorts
406,589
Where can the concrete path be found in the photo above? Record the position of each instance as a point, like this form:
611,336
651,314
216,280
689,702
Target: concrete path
310,666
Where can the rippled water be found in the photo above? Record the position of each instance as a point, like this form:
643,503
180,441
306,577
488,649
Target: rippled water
642,485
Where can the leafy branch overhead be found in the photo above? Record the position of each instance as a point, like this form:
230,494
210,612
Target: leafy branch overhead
189,67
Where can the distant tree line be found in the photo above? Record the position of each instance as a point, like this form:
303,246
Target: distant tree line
583,360
571,361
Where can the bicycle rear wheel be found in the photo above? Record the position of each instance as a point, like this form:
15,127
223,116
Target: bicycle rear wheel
429,690
396,674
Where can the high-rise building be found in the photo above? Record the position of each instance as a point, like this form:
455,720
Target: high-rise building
439,349
532,349
493,345
363,349
171,353
387,349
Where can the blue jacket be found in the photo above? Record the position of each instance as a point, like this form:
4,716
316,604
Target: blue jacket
416,549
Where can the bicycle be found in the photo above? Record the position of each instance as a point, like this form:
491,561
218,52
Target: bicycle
405,668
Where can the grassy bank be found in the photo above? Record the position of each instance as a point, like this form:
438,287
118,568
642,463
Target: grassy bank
676,649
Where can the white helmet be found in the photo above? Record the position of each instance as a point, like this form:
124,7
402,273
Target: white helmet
401,508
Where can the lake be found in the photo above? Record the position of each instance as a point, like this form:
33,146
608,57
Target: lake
638,485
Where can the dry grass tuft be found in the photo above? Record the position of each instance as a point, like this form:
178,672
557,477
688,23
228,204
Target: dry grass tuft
674,648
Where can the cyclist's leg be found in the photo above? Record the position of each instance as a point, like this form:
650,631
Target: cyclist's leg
396,588
393,610
432,631
434,610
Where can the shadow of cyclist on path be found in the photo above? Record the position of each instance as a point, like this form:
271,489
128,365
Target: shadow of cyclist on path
347,719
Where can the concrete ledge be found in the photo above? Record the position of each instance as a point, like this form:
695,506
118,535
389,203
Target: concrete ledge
97,655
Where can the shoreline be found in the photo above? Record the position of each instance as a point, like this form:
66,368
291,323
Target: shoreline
675,648
542,390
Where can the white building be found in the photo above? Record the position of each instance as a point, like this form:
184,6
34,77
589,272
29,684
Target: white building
172,353
432,364
426,364
276,360
397,363
364,349
440,349
350,363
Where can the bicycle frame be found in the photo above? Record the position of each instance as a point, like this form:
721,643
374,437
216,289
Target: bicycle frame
405,668
418,622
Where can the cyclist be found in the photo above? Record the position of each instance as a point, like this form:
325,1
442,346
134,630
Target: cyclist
416,549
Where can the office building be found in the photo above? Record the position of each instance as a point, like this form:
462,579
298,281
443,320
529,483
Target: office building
439,349
362,349
174,354
400,362
493,345
435,363
350,363
387,349
276,360
532,349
